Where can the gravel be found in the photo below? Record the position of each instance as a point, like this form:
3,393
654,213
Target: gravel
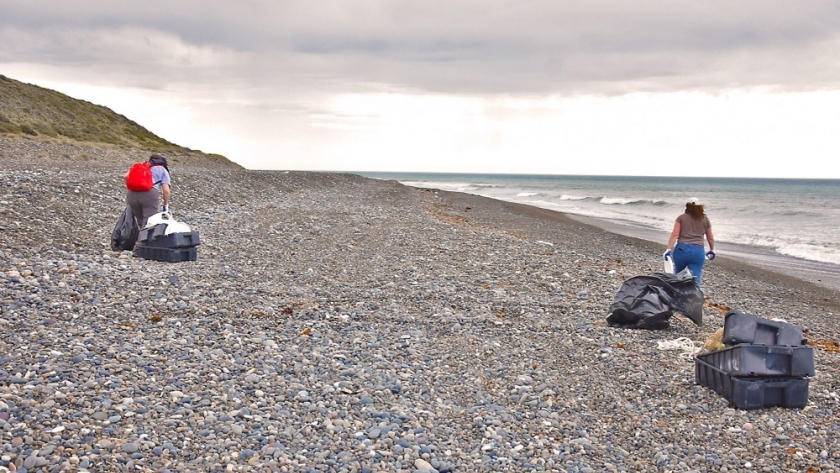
337,323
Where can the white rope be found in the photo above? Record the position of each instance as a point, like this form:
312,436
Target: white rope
686,345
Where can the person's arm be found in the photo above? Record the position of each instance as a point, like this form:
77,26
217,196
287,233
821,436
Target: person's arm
166,193
675,234
711,239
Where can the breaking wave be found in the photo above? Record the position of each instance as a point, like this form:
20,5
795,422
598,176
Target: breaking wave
628,201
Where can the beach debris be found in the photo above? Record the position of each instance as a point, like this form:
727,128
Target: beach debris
830,346
722,308
648,302
686,345
763,363
714,342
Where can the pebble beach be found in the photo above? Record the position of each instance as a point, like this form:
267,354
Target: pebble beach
335,323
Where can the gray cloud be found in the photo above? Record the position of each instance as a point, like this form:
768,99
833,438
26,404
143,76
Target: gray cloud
463,47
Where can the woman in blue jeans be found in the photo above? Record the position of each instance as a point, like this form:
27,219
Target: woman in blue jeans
688,233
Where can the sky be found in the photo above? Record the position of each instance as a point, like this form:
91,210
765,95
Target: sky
653,88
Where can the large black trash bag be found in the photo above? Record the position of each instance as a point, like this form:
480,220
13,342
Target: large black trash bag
648,302
126,232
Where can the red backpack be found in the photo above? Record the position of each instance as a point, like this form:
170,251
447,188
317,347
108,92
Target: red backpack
139,177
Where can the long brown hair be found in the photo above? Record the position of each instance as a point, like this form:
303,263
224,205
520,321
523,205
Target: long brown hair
695,210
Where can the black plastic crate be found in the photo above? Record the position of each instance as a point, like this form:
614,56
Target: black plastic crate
752,392
763,360
172,255
739,327
174,240
150,233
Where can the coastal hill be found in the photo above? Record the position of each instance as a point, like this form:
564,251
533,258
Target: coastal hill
32,113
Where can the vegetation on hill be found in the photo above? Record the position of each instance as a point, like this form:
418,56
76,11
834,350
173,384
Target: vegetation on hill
28,110
35,111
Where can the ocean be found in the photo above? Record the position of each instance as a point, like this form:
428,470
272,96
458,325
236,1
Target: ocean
790,226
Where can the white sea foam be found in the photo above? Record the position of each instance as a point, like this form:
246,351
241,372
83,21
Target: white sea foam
543,204
527,194
811,252
445,186
629,201
617,201
572,197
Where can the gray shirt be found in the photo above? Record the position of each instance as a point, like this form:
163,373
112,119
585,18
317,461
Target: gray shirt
693,230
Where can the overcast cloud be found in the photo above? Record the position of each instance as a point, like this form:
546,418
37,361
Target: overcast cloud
496,86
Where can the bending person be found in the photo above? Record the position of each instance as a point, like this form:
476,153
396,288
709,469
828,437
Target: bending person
145,204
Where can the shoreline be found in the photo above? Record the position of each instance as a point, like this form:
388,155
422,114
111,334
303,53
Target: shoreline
822,274
754,266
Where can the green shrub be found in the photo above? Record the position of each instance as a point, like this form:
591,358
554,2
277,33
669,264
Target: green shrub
9,128
44,129
27,129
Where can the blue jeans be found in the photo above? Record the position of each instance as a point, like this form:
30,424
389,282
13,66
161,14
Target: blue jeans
689,256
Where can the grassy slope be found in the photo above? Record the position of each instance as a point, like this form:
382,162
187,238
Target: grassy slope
27,110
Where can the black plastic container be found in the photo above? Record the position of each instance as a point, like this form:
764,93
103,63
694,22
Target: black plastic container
150,233
172,255
739,327
752,392
763,360
174,240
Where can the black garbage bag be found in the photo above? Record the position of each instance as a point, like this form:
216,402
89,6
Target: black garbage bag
126,232
648,302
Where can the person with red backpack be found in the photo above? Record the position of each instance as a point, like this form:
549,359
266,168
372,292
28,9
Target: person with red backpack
145,182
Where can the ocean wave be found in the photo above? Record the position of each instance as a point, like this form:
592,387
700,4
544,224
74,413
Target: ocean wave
543,204
571,209
629,201
811,252
444,186
747,238
457,186
788,246
575,197
527,194
801,213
